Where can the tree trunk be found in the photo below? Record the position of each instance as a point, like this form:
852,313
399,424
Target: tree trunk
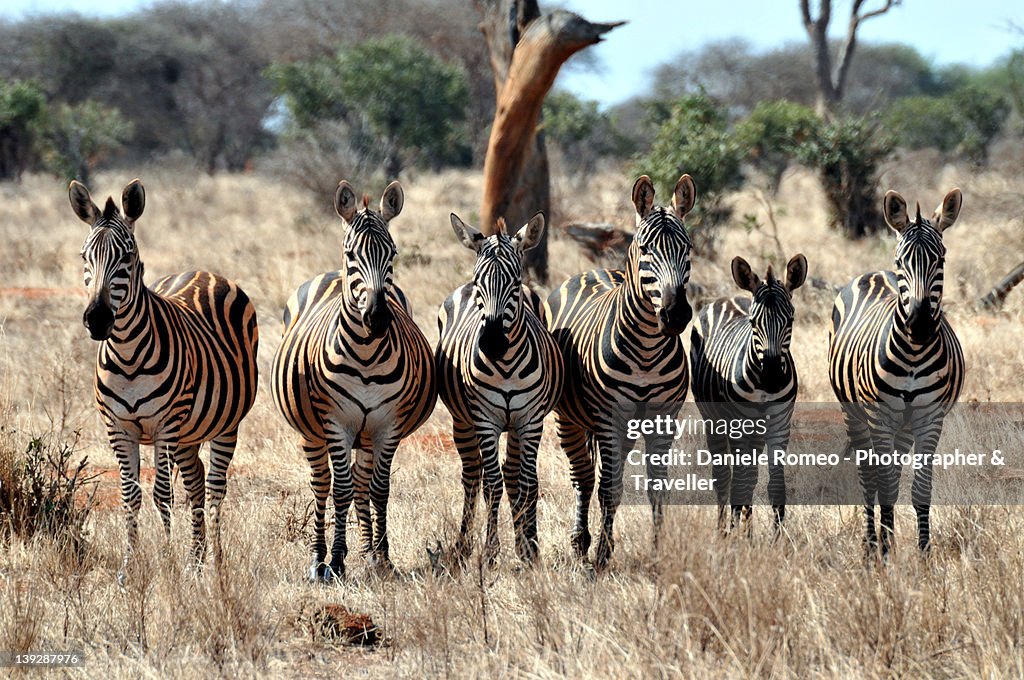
527,50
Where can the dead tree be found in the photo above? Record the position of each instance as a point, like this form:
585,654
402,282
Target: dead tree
995,298
831,78
527,49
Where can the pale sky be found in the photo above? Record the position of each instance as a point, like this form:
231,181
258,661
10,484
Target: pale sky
973,33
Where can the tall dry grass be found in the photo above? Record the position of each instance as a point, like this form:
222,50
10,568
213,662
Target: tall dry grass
805,606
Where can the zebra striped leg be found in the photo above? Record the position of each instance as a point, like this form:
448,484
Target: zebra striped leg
362,471
582,473
472,464
520,472
884,441
777,478
926,439
339,451
659,445
609,491
191,466
320,483
163,496
488,438
741,497
867,475
222,451
722,475
126,450
380,490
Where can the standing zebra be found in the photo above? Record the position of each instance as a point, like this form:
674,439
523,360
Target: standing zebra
176,364
498,370
742,368
895,363
619,335
354,372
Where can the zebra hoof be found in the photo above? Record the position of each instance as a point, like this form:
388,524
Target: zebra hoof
324,574
581,543
381,564
603,556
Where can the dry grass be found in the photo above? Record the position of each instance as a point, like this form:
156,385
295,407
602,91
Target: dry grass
699,606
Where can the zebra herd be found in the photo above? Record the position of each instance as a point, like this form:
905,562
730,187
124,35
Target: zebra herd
354,375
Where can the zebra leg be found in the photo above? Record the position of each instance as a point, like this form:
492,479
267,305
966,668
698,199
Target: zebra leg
488,439
222,451
867,475
384,449
742,491
362,471
659,471
520,472
609,492
163,497
469,452
722,477
777,477
126,450
320,483
888,488
191,466
926,440
339,452
573,440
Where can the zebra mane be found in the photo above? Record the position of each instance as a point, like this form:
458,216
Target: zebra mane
770,276
500,227
110,209
366,201
918,220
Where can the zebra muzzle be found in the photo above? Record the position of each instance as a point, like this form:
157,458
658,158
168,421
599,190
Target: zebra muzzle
492,341
673,320
99,319
377,316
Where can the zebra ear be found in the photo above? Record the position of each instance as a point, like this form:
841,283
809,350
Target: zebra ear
133,200
743,275
894,209
391,201
529,235
796,272
345,201
467,235
82,203
947,211
684,196
643,196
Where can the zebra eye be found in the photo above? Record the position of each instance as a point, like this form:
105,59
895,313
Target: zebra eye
644,249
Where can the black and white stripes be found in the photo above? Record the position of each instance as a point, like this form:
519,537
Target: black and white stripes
354,376
895,363
498,371
176,365
743,368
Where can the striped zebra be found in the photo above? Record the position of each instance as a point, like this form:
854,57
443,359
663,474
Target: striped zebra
895,363
498,370
619,335
743,369
176,365
354,373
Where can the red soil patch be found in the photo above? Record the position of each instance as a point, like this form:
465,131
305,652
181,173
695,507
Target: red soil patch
429,443
335,623
28,293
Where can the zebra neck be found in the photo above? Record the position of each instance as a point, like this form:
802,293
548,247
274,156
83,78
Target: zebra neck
133,326
637,322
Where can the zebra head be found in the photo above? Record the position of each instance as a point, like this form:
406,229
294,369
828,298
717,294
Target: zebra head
369,252
920,255
660,252
771,317
110,254
498,278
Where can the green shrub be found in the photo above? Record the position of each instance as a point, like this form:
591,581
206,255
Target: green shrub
772,135
847,153
77,137
22,106
693,137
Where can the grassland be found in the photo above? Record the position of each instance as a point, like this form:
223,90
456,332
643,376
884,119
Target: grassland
699,606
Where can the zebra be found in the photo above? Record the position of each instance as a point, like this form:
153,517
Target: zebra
895,363
354,375
742,368
175,367
498,370
619,333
